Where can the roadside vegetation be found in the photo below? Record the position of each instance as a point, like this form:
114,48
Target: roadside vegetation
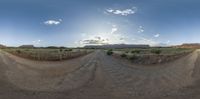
48,54
110,52
150,55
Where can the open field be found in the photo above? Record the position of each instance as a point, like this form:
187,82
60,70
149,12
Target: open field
47,54
150,55
99,76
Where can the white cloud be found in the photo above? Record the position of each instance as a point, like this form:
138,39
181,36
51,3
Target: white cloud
83,34
168,41
110,10
102,38
97,40
157,35
53,22
124,12
114,29
36,42
123,38
113,37
141,29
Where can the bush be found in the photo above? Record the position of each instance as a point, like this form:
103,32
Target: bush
109,52
156,51
61,49
132,57
135,51
126,51
123,55
26,49
18,51
68,50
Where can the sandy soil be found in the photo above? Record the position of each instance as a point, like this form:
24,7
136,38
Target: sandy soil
98,76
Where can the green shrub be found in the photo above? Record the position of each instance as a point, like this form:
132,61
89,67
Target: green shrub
109,52
123,55
18,51
61,49
26,49
135,51
156,51
126,51
132,57
68,49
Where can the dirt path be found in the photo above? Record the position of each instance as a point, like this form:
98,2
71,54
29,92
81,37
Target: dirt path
98,76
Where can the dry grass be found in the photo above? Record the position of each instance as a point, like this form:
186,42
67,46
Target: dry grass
48,54
151,55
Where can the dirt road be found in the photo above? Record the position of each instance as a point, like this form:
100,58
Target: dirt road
98,76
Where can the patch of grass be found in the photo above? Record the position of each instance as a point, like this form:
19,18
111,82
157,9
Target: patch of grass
44,54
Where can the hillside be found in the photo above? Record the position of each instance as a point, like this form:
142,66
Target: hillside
190,45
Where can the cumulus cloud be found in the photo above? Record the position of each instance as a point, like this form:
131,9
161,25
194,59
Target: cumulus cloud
110,10
140,29
168,41
94,41
157,35
53,22
124,12
114,29
36,41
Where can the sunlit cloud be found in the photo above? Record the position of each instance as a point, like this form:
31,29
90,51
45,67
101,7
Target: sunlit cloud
114,29
157,35
53,22
168,42
140,29
36,42
116,37
102,38
124,12
94,41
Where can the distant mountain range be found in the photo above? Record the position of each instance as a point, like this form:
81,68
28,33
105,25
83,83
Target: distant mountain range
189,45
117,46
2,46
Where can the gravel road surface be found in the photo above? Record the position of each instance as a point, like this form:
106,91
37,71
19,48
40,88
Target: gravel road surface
98,76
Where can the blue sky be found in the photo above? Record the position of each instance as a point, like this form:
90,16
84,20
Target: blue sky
82,22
